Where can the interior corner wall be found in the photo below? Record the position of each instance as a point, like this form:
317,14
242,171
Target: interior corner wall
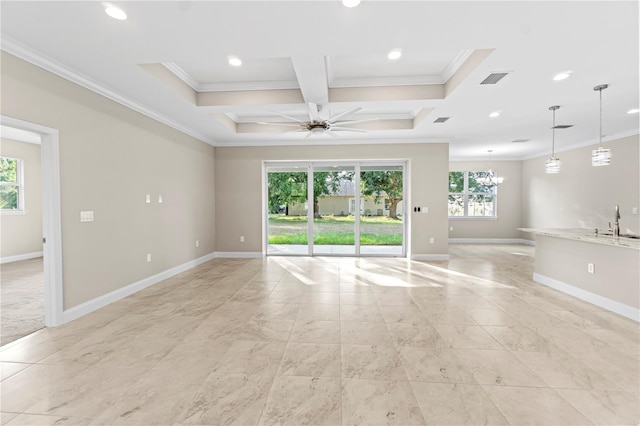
583,196
110,158
239,189
22,232
509,203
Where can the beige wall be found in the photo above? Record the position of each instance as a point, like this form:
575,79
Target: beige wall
22,233
110,157
509,206
239,189
583,196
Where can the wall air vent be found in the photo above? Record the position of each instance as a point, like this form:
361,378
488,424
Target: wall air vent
520,140
494,77
562,126
441,119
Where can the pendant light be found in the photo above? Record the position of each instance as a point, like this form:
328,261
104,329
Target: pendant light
552,165
490,179
600,156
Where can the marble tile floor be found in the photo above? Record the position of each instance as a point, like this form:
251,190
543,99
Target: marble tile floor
334,341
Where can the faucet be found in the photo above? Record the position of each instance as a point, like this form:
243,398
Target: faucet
616,222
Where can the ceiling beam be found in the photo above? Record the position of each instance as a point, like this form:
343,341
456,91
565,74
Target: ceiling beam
311,72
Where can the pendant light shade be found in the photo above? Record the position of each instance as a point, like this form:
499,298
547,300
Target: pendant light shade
600,156
552,165
491,178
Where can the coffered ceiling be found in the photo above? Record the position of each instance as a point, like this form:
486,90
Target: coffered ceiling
312,60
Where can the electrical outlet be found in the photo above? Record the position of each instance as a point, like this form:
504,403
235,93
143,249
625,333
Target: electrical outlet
451,228
432,240
148,198
242,238
591,268
197,243
148,257
634,210
160,199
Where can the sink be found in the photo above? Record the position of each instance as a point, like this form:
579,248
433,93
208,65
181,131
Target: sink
610,234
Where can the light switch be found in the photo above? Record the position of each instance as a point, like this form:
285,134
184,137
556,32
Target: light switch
86,216
148,198
160,199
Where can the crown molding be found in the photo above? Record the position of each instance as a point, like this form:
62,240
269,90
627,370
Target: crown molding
17,49
594,141
182,75
455,64
327,142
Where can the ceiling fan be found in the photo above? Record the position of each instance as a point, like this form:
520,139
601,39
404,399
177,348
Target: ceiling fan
318,125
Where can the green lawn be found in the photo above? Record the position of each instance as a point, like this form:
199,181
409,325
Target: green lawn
335,230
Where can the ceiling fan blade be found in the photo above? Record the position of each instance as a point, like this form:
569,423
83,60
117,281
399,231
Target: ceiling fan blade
349,123
342,114
278,124
347,129
314,115
288,117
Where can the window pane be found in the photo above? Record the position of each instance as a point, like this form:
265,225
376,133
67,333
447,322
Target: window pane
481,205
8,170
9,197
474,186
456,205
456,182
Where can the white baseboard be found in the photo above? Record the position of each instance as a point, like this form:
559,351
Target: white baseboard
238,254
19,257
595,299
429,257
102,301
490,241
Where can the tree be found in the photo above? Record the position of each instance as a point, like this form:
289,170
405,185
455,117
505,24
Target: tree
8,174
383,182
286,188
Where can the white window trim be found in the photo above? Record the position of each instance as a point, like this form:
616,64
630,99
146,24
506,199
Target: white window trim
465,194
20,185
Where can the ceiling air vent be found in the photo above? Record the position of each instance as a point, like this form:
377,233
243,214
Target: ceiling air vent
562,126
520,140
494,77
441,119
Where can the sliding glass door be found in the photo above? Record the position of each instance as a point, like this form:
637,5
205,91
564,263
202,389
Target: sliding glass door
382,215
333,226
288,209
342,209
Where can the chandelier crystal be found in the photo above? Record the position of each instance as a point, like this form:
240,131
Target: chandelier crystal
490,179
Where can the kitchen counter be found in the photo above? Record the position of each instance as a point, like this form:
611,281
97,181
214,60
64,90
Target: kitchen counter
603,270
587,235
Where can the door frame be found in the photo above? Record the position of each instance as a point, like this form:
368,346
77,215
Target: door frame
308,165
51,217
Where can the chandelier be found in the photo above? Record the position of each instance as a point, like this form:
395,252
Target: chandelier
490,179
552,165
600,156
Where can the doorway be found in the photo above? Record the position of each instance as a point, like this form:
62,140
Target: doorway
51,215
324,208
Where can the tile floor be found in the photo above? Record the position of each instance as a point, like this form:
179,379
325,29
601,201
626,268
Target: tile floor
334,341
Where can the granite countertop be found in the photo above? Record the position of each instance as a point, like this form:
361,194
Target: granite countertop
586,235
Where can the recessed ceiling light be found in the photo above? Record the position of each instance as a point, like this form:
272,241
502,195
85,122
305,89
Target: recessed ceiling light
350,3
562,75
495,114
114,11
234,60
395,54
633,111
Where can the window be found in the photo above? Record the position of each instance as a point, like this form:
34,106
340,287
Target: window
352,205
467,198
11,186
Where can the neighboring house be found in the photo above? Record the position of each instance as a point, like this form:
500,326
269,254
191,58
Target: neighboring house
343,203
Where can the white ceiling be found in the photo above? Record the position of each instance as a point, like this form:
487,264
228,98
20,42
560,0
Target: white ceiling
295,52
